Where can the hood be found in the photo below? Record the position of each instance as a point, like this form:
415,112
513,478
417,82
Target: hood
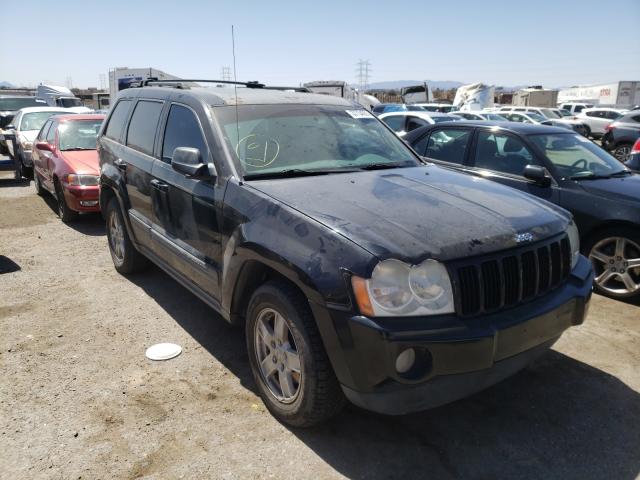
622,188
82,161
415,213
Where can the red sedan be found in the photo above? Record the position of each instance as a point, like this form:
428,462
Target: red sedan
65,163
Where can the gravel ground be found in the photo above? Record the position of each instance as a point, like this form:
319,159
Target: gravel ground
78,399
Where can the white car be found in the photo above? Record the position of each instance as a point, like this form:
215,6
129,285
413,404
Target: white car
25,126
436,107
492,116
575,107
596,119
531,116
404,122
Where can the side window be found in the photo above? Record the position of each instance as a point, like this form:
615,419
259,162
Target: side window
448,145
592,114
421,145
415,122
514,117
182,130
636,118
143,126
51,134
43,131
395,122
115,127
578,108
612,115
502,153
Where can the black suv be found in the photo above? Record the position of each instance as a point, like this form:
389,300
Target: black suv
356,269
559,166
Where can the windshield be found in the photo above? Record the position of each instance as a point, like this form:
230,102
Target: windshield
564,113
34,120
443,118
495,117
78,135
277,139
576,157
68,102
547,112
11,104
536,116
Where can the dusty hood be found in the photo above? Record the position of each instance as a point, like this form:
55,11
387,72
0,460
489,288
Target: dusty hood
414,213
82,161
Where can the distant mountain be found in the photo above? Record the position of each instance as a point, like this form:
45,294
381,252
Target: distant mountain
396,84
6,85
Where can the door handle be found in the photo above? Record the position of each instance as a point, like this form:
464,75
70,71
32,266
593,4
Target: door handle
160,186
121,165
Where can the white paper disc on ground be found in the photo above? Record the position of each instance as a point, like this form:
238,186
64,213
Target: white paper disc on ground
163,351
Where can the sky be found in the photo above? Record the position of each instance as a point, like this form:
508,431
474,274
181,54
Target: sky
551,43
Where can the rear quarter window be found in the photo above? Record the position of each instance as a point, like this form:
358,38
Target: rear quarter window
115,127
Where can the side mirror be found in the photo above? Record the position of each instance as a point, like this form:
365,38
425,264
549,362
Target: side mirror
44,146
537,174
188,161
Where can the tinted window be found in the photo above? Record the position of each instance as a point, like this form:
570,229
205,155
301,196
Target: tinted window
420,146
503,153
51,134
636,118
414,123
593,114
448,144
578,108
395,122
143,125
183,130
117,119
612,115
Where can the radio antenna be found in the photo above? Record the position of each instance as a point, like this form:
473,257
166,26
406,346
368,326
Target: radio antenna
235,88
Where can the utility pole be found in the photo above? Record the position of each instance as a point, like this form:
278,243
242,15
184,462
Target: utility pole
225,73
69,83
363,73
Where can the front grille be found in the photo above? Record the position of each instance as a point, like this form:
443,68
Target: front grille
497,281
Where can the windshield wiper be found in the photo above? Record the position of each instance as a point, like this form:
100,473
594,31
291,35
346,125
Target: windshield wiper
595,176
75,149
622,173
293,172
382,166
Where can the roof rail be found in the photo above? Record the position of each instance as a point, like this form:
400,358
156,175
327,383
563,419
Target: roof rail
252,84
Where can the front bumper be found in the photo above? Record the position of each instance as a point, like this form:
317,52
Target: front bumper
458,356
82,198
27,160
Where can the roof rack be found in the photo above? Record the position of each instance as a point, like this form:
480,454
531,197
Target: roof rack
252,84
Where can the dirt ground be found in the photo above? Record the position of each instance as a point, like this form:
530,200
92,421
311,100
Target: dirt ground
78,398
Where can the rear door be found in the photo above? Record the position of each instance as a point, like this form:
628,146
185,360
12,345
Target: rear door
501,157
448,146
186,226
137,161
48,159
39,156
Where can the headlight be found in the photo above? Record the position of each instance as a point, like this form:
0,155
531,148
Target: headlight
398,289
574,243
85,180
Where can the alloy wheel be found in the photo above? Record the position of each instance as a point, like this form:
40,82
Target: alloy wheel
622,152
616,261
116,236
277,356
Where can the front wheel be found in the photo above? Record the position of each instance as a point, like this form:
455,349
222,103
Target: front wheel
621,152
615,255
287,357
64,212
126,258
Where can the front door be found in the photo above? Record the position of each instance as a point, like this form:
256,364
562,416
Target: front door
501,157
186,226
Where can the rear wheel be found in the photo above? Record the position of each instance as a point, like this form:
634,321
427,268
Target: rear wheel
126,258
586,130
287,357
37,184
615,255
622,151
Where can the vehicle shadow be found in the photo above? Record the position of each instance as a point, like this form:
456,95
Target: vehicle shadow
559,418
88,223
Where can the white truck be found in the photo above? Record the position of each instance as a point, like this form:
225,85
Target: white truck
56,96
624,94
121,78
474,97
536,97
421,93
338,88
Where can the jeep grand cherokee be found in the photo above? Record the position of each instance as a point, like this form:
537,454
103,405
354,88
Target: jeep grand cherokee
358,271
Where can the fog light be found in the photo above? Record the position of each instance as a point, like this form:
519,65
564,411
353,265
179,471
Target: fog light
88,203
406,360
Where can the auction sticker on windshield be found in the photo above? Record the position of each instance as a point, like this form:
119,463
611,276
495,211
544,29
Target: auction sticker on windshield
359,113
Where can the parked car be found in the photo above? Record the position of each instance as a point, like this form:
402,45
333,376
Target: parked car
395,107
9,105
480,116
353,266
65,163
597,119
575,107
437,107
560,167
552,118
403,122
25,126
621,134
633,161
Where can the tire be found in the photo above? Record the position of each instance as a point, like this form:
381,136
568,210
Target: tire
587,131
622,151
126,258
37,184
64,212
615,274
318,395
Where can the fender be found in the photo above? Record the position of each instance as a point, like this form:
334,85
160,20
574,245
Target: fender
111,179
